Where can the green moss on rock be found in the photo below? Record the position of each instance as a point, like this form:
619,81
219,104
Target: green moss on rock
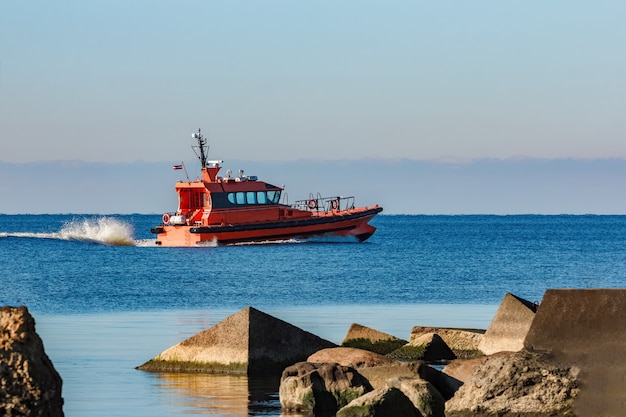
155,365
408,353
382,347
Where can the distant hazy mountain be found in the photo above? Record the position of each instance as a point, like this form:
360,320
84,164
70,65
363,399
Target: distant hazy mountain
510,186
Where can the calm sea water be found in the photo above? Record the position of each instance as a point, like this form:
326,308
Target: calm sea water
106,299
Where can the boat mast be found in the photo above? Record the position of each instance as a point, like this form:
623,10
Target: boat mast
201,149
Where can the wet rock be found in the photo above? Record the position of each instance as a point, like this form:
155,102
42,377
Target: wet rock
383,402
247,342
517,384
320,387
29,384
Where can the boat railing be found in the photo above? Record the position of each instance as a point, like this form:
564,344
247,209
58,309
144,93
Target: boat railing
325,204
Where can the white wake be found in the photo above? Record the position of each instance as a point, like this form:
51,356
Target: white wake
104,231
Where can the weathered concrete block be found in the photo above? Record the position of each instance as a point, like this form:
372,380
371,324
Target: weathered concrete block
434,347
463,342
357,331
586,327
247,342
509,326
363,337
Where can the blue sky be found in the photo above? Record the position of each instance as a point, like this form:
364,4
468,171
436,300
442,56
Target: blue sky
121,81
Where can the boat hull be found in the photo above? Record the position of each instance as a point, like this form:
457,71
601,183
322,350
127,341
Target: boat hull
347,223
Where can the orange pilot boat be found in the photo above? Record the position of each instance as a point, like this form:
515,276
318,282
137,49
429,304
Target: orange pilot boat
226,210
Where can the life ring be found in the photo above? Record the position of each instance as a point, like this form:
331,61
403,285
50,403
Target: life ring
166,218
312,204
335,204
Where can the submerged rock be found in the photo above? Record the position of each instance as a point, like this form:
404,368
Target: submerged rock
29,384
247,342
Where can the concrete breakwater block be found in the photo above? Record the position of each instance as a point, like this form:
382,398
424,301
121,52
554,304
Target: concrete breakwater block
247,342
509,326
460,341
358,331
363,337
587,328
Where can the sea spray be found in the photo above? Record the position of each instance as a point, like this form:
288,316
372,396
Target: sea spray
104,230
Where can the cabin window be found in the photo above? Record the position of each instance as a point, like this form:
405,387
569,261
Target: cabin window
273,197
246,198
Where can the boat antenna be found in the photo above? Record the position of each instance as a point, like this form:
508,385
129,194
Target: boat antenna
201,149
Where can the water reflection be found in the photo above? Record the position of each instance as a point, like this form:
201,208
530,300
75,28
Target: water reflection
223,395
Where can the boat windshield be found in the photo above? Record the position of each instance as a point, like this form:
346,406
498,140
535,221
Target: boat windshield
254,197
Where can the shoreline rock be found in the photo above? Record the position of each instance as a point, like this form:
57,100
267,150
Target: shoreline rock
320,387
29,383
514,384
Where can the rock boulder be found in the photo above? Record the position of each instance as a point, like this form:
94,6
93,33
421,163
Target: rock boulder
517,384
29,384
356,358
320,387
383,402
423,395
